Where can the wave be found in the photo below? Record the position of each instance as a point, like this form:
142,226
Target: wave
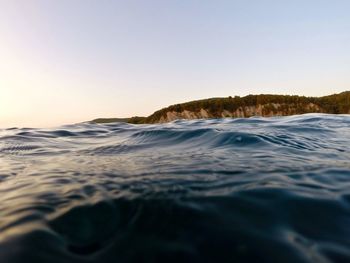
229,190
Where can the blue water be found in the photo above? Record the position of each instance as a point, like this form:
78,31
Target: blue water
220,190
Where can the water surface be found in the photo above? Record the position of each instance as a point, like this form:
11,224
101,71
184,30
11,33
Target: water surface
220,190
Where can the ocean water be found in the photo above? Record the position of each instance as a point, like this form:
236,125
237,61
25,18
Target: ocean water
218,190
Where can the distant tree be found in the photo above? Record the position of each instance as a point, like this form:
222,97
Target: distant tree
336,103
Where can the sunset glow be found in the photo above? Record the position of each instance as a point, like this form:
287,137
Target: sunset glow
72,61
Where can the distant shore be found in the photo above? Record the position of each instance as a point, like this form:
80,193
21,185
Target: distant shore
265,105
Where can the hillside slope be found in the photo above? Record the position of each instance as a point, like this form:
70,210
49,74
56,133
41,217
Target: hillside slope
252,105
242,107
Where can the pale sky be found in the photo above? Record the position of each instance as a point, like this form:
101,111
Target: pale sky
68,61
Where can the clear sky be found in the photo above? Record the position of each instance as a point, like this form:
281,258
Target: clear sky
68,61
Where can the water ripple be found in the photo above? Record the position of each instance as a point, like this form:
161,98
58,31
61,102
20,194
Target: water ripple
226,190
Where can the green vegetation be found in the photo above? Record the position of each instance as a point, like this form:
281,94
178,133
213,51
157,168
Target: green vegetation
264,104
271,105
134,120
137,120
110,120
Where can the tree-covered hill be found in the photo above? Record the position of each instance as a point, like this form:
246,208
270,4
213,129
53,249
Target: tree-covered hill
264,105
247,106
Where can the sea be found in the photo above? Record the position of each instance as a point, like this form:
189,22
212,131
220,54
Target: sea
216,190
